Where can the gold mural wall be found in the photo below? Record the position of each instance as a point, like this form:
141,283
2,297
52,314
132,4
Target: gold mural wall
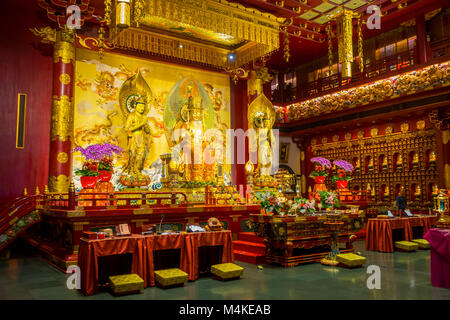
98,117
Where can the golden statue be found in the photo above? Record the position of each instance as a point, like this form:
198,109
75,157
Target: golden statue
188,115
261,118
418,190
399,163
384,165
134,97
138,139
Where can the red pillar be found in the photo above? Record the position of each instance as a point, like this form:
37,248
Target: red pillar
421,41
239,121
60,162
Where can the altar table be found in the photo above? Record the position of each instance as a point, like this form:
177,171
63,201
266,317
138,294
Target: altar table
439,240
142,248
379,231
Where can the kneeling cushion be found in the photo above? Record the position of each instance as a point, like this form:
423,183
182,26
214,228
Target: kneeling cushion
171,277
423,244
406,245
350,259
126,283
227,271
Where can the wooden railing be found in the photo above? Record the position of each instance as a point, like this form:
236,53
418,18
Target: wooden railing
15,210
101,200
437,51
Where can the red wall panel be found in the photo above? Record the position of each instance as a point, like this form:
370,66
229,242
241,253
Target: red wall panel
25,67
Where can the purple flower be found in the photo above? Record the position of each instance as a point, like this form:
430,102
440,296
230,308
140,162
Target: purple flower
322,161
344,165
97,152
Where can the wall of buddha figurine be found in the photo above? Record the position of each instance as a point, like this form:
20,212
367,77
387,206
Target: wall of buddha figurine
387,157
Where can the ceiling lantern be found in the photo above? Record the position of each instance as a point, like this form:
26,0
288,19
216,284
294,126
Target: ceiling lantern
123,17
345,35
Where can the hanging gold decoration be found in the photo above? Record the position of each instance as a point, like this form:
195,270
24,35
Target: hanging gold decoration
108,11
101,42
138,11
345,46
330,50
286,54
123,14
360,46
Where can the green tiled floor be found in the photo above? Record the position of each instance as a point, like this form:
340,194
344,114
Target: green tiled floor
403,276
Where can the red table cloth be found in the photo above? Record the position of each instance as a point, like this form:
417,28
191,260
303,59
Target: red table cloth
142,248
172,241
439,240
90,250
379,231
196,240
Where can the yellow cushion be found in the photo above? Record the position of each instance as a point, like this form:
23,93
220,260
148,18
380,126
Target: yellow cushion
350,259
423,244
126,283
383,216
170,277
406,245
227,271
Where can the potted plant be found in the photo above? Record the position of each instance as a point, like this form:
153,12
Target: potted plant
341,178
269,202
304,205
98,165
319,173
328,200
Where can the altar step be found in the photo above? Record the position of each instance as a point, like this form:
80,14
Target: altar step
250,237
249,248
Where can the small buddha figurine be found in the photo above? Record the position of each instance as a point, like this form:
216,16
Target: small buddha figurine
370,165
415,161
432,161
384,165
399,164
435,189
418,191
386,191
357,166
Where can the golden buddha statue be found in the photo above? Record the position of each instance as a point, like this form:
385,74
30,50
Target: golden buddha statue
261,118
432,160
418,190
384,165
188,115
138,139
134,98
370,165
399,163
357,166
415,161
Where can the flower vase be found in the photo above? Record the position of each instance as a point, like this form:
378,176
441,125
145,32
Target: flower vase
342,184
319,184
105,176
88,182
